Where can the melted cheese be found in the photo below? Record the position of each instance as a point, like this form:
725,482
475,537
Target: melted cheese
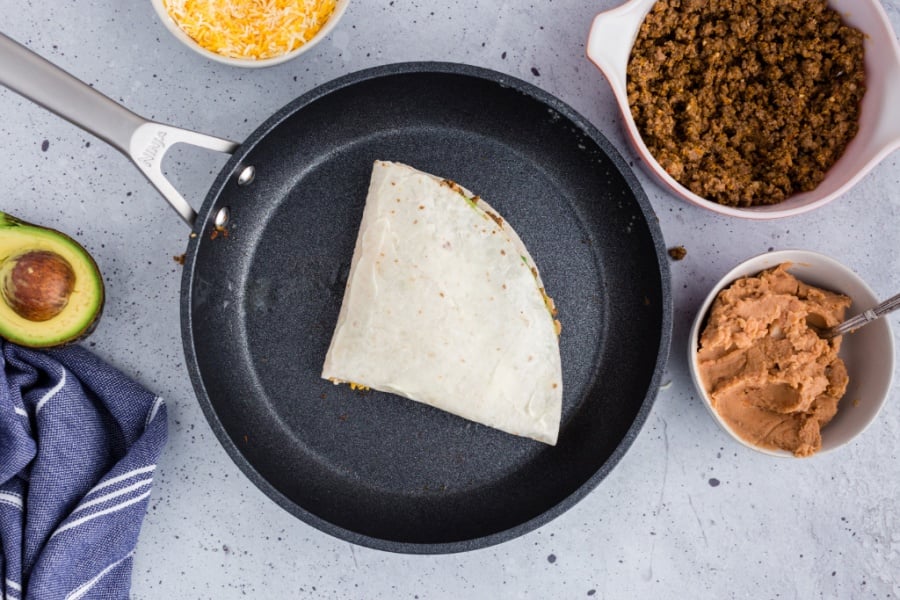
252,29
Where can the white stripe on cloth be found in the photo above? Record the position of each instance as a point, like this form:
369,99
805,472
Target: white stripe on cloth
85,587
13,585
150,416
100,513
12,500
119,478
51,393
24,413
115,494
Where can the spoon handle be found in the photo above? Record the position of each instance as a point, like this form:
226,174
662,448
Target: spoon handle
891,304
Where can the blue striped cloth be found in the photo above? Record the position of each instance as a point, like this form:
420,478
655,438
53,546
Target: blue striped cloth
79,442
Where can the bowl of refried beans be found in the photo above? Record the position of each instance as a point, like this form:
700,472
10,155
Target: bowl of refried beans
754,108
762,368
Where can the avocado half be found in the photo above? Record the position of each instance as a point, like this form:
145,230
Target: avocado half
51,291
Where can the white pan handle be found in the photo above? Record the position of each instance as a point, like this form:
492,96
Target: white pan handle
143,141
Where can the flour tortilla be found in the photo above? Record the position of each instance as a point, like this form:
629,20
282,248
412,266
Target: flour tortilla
445,306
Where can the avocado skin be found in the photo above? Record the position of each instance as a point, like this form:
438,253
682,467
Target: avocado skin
16,330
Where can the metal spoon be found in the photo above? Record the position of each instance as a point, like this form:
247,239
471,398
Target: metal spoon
854,323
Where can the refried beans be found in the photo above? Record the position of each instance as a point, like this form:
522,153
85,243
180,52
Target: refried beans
767,372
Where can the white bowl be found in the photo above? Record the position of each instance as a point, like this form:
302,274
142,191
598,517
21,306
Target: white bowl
172,26
614,32
868,353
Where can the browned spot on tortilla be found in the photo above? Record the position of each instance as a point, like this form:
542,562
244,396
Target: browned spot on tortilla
453,186
548,302
495,217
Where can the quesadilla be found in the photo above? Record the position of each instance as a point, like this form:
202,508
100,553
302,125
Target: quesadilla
445,306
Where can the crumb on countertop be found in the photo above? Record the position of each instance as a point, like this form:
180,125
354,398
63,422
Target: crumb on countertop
677,252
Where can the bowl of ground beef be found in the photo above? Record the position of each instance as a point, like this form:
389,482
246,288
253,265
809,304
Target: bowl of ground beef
754,108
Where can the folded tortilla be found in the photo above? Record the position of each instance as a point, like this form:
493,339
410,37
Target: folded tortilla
445,306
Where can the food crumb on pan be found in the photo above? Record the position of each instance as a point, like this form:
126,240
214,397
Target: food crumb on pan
218,231
179,258
746,102
677,252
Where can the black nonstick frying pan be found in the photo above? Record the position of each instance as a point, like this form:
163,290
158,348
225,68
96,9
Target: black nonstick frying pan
265,273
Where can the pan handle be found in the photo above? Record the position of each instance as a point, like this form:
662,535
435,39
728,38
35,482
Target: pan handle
144,142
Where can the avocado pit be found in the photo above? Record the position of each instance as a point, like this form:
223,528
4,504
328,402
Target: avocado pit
37,284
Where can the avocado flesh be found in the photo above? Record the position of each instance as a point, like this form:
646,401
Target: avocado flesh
85,304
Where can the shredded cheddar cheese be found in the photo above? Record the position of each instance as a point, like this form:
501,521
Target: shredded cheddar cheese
353,385
252,29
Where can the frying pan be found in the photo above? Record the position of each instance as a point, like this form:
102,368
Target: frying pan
266,268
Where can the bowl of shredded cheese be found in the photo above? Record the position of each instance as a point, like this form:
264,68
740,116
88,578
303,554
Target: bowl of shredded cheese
250,33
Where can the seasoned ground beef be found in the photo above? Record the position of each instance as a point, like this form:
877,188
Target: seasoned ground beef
746,102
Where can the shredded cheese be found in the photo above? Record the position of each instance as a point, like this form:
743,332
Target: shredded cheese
353,385
251,29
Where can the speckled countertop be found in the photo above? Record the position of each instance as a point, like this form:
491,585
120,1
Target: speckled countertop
687,513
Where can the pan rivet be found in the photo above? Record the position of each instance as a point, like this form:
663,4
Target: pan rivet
221,217
247,176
